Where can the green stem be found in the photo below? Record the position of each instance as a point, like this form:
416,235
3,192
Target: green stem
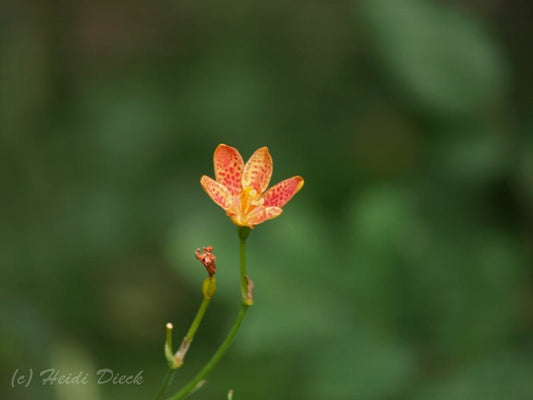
197,319
244,276
195,381
166,382
214,360
180,355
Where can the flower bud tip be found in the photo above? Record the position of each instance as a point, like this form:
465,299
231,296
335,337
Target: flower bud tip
208,259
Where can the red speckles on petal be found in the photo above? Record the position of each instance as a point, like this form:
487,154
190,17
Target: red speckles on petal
258,170
262,214
280,194
228,168
218,193
240,189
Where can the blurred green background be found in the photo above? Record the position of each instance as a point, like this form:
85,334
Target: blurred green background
402,270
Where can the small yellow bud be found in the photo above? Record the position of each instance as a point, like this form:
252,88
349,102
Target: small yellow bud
209,287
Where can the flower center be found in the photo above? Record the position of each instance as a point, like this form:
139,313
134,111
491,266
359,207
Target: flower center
248,200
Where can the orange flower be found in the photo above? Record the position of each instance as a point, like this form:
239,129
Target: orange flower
240,189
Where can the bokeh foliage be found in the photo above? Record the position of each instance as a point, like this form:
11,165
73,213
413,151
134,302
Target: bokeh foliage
401,271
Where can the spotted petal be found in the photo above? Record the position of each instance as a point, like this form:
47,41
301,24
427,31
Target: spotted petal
258,170
262,214
280,194
228,168
218,193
